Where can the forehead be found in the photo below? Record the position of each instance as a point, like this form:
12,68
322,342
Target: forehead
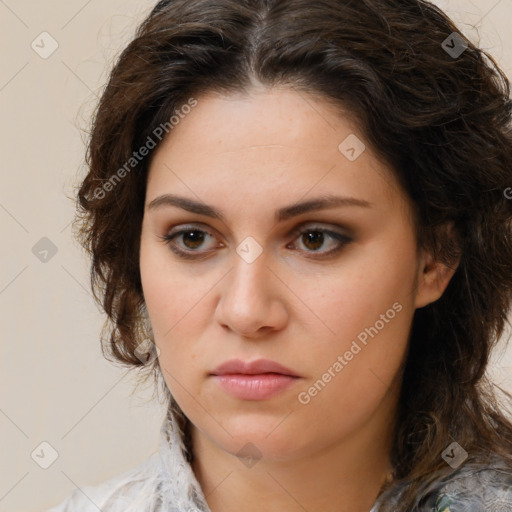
272,143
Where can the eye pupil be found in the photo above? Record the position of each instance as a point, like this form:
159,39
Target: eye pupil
317,239
196,236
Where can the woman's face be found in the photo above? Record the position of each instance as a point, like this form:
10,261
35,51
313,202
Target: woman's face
327,289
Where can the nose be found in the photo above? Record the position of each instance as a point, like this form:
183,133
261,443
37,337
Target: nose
252,299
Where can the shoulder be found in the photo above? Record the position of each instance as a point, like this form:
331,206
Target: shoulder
113,495
476,489
473,487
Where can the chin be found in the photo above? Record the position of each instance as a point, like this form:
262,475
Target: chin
256,436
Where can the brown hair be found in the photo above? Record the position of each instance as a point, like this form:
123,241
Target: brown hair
440,120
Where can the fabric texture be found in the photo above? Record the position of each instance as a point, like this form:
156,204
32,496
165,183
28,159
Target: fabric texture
165,482
473,487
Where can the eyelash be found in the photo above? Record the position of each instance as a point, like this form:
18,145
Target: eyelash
168,239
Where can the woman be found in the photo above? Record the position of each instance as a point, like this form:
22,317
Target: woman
299,225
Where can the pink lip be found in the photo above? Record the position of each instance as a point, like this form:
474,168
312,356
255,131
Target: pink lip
256,367
255,380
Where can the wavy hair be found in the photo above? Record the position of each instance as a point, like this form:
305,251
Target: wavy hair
441,121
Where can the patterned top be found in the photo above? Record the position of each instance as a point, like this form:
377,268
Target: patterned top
165,482
487,489
471,488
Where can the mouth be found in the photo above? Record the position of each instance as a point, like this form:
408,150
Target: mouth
256,380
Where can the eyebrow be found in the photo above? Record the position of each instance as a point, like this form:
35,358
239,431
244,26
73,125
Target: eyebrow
320,203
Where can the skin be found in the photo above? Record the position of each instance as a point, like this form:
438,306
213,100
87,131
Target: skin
295,304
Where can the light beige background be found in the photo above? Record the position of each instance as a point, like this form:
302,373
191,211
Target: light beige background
55,385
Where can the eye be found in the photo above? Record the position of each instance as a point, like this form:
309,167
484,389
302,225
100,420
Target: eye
312,238
191,237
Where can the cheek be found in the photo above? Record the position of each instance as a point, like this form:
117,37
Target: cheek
352,372
368,309
175,320
170,291
356,295
172,300
367,335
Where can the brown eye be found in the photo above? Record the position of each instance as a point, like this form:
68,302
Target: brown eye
193,239
314,238
189,242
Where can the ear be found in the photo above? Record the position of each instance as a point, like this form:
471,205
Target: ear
433,275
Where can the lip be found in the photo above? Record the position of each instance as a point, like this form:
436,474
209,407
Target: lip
255,380
256,367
